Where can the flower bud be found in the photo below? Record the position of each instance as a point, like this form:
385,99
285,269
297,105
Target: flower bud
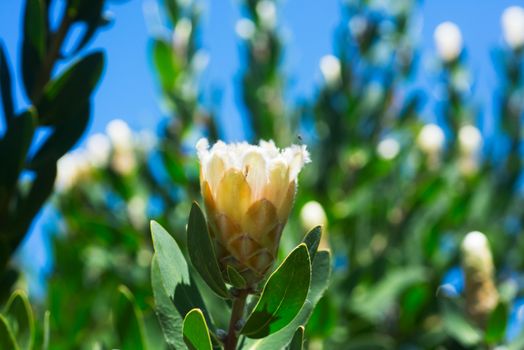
98,149
331,70
513,26
388,148
248,193
267,12
470,139
431,139
448,41
312,214
481,294
71,168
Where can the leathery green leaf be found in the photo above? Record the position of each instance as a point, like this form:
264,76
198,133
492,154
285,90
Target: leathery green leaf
196,333
201,252
168,316
321,272
235,278
282,297
20,316
312,240
174,273
298,339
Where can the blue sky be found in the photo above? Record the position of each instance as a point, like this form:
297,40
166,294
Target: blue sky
128,89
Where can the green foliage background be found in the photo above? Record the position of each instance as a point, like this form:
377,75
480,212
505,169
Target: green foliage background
396,224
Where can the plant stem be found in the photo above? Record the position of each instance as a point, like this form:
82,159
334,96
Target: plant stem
237,312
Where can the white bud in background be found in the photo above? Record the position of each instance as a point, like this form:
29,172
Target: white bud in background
513,26
136,209
470,143
448,40
331,69
70,168
388,148
124,162
470,139
267,12
245,28
431,139
312,214
120,134
477,261
98,149
182,33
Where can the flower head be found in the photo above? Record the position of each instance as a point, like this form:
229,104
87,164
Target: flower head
248,192
431,138
448,40
513,26
477,261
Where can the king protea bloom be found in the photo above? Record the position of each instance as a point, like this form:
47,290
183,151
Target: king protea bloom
248,193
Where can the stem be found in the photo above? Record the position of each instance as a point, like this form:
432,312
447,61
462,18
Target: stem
239,302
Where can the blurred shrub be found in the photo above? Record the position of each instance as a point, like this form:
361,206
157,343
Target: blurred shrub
397,194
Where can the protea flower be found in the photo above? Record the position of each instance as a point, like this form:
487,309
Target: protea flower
477,261
248,193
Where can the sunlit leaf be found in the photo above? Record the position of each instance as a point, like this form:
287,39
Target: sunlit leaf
170,319
282,297
196,333
321,272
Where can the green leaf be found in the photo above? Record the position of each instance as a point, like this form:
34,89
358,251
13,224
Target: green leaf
312,240
90,12
321,272
13,149
235,278
497,323
298,340
5,87
459,328
64,136
34,44
196,333
201,252
174,273
20,316
128,321
46,330
7,339
282,297
65,95
168,316
165,64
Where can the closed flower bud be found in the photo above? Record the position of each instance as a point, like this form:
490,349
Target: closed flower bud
312,214
248,194
477,261
513,26
431,139
470,139
331,70
448,41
